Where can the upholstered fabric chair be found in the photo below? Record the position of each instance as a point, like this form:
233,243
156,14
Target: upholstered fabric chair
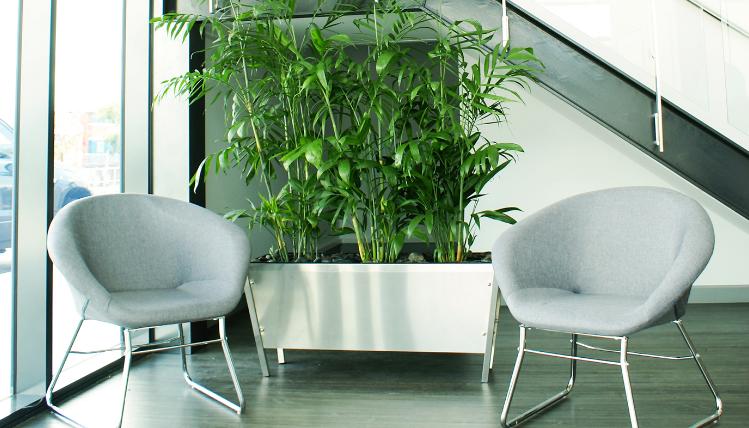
606,264
140,261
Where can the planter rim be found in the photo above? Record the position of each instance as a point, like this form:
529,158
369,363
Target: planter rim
374,267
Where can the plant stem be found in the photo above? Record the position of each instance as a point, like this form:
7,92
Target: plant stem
359,238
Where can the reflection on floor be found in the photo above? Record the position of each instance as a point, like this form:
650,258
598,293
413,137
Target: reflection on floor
366,389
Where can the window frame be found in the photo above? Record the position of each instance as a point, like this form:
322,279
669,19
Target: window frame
31,269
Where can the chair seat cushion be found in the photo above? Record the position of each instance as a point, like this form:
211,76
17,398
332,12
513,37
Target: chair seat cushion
191,301
564,310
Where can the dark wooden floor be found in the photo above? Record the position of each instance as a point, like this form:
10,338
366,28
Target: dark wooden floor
364,389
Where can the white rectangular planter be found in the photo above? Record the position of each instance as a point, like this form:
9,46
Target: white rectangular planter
375,307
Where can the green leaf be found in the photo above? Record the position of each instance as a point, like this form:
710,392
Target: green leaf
313,152
317,38
476,219
500,214
420,235
322,169
340,38
522,54
233,215
429,222
397,244
290,157
509,147
415,151
499,98
241,130
341,231
384,60
233,130
320,72
415,92
390,173
413,224
344,170
308,82
361,164
196,177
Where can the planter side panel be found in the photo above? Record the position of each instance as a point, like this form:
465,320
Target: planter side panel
416,308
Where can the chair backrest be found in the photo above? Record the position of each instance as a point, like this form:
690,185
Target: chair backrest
616,241
135,242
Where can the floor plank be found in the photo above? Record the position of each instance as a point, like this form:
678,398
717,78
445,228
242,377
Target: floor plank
368,389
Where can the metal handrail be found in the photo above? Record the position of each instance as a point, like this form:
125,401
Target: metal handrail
505,25
658,116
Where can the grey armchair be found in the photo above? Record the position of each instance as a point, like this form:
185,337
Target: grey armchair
605,264
140,261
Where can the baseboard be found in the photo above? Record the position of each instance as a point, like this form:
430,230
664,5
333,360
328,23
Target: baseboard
713,294
719,294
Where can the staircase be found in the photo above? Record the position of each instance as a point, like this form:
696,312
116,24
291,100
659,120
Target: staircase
620,102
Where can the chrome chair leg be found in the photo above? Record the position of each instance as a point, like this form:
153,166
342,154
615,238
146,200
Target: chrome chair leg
513,381
229,362
548,403
48,396
573,363
698,360
627,385
623,363
125,371
125,375
128,356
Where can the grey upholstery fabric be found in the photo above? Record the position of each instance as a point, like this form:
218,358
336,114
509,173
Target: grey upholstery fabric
141,260
610,262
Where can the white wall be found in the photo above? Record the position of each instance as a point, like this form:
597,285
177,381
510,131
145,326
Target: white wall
225,192
170,119
137,105
567,153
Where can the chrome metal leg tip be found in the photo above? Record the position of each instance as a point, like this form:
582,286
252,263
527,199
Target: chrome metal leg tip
709,421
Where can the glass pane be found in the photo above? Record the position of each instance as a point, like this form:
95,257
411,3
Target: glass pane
87,149
617,30
736,47
737,12
683,51
8,86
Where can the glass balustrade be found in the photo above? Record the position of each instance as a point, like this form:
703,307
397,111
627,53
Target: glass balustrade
702,50
736,53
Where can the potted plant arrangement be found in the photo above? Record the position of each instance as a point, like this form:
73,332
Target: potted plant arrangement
372,134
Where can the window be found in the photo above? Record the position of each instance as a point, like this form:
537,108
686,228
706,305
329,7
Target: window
87,150
85,50
8,87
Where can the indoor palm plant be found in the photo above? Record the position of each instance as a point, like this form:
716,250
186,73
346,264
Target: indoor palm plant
375,133
385,146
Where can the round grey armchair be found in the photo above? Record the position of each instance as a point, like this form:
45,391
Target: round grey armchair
606,264
140,261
